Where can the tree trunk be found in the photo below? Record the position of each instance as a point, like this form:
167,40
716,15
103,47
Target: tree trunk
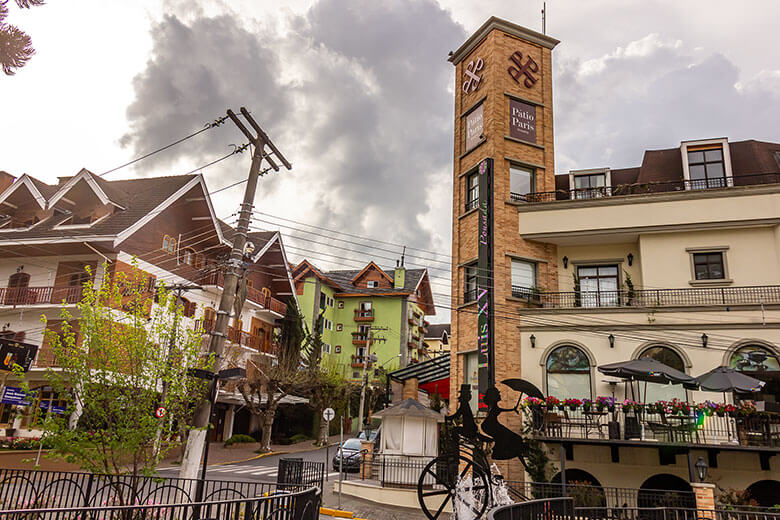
322,438
267,424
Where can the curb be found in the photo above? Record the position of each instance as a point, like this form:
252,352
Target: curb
250,458
337,513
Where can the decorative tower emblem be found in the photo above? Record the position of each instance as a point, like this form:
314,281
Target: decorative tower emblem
523,71
472,79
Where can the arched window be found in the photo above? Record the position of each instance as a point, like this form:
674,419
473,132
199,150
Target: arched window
568,373
169,244
657,391
189,256
761,363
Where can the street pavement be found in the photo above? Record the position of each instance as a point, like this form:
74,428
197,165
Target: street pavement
264,469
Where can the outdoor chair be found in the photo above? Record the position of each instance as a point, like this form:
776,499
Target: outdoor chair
583,424
751,431
553,424
661,430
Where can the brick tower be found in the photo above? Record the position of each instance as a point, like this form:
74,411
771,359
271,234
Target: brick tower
503,153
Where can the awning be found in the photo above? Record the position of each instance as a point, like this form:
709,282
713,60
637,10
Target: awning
432,375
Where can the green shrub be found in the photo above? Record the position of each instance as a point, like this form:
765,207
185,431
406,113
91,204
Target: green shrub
299,437
239,439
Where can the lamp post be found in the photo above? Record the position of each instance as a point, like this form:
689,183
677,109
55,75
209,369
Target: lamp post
701,469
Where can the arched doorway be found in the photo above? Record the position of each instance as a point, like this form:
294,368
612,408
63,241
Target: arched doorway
765,492
655,392
760,362
665,490
583,487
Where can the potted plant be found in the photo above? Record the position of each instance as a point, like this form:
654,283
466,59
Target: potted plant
572,403
577,295
630,292
587,404
552,402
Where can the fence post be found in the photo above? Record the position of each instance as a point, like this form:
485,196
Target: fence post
705,500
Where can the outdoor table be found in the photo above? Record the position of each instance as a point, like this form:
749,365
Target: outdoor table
592,421
685,429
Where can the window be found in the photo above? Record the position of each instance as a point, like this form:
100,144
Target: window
523,278
339,327
598,285
588,186
521,183
323,299
705,168
568,373
328,324
329,301
470,286
326,348
471,376
662,392
472,191
189,256
341,305
188,308
169,244
759,362
360,351
372,284
338,349
708,266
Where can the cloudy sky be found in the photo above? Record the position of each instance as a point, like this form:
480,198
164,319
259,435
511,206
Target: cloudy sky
358,95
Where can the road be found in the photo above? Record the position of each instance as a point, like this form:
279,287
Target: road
262,468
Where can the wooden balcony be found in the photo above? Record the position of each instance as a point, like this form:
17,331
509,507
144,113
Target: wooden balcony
257,296
359,339
357,362
364,315
53,295
243,338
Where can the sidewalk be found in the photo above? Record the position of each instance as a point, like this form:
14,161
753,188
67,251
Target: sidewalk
219,454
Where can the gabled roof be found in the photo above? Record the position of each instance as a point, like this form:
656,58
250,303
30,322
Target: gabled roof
93,181
437,331
371,267
36,188
302,269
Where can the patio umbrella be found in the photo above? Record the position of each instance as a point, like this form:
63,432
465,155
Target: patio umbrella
648,370
725,379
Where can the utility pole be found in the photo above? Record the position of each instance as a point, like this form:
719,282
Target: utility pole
364,380
198,436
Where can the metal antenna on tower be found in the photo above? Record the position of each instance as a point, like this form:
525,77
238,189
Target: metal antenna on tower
544,17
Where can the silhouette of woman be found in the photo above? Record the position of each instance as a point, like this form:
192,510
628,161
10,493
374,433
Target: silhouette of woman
468,428
506,443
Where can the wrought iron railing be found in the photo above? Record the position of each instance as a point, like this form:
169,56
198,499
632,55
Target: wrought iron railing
598,496
41,295
647,188
757,429
643,298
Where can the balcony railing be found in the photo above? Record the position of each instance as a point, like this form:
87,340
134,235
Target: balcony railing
364,314
40,295
358,338
758,429
218,278
643,298
357,361
647,187
240,337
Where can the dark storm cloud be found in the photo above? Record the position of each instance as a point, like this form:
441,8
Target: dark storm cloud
364,105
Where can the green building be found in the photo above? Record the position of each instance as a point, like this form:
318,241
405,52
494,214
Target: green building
367,312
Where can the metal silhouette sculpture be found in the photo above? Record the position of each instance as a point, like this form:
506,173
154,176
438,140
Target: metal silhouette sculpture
464,455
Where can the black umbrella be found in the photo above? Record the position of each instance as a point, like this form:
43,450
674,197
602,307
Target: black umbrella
725,379
524,387
649,370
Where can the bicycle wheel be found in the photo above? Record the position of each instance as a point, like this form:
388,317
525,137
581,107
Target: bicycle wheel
438,484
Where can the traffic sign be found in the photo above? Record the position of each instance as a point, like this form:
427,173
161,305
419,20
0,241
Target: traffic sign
160,412
328,414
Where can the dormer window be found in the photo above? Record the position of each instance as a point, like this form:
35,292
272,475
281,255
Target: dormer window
169,244
706,164
590,184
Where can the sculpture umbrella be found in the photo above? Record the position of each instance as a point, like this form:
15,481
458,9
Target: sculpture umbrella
524,387
725,379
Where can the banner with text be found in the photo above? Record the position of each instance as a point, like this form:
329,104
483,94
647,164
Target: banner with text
522,121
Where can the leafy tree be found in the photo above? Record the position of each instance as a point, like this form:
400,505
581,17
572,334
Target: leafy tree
16,47
115,358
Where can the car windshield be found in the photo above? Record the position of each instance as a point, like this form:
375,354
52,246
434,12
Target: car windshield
352,444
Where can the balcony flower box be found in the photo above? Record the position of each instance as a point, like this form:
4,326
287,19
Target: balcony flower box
572,403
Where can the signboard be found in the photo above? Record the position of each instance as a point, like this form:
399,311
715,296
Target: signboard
485,338
59,410
160,412
474,128
522,121
16,396
15,353
328,414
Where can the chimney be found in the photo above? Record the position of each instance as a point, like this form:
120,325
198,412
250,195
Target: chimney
399,277
410,389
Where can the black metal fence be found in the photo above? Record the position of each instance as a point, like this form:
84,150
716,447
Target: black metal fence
602,497
277,505
26,489
643,298
299,472
544,509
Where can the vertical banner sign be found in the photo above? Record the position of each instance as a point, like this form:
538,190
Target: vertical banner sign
485,322
522,121
474,128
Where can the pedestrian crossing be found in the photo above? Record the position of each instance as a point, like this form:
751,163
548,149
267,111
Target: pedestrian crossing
269,472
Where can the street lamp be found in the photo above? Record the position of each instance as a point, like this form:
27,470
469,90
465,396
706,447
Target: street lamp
701,469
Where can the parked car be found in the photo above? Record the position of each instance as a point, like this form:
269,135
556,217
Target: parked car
351,455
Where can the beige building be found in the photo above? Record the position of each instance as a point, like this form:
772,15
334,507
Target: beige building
437,339
677,259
